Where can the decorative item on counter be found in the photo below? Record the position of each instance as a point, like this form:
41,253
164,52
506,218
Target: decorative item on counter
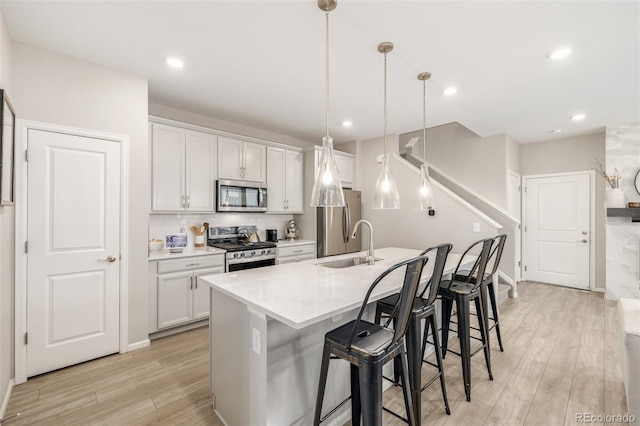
634,204
615,195
272,235
199,235
291,231
155,244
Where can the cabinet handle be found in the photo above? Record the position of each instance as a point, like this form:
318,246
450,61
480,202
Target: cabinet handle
182,200
192,264
297,251
196,282
188,201
191,280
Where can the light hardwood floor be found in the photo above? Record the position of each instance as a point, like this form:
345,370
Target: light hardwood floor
561,358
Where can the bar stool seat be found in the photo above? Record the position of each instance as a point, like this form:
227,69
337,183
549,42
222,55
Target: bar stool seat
367,347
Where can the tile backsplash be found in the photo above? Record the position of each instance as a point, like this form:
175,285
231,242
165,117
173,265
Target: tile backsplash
161,224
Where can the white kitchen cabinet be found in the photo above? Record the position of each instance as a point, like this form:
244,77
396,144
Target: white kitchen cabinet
295,252
177,296
284,180
182,170
345,163
241,160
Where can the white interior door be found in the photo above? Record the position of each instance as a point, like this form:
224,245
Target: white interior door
557,233
73,232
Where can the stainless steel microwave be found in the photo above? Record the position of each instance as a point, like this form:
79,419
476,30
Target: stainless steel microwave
241,196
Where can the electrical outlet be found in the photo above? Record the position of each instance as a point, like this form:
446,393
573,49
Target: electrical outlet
476,227
379,158
257,341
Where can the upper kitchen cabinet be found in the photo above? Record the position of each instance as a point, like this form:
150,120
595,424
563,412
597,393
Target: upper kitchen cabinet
183,170
284,180
241,160
345,163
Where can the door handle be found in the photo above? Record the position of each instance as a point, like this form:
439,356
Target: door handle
582,241
108,259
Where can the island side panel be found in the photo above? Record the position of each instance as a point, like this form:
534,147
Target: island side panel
230,347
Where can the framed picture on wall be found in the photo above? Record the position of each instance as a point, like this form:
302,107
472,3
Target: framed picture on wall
7,134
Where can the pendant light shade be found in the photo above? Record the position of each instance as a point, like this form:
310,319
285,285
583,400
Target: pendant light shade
425,198
327,189
386,195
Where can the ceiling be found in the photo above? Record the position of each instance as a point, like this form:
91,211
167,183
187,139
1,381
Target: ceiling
262,63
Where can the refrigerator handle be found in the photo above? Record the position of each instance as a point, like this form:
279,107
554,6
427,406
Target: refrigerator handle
346,222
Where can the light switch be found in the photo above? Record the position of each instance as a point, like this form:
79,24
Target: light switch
476,227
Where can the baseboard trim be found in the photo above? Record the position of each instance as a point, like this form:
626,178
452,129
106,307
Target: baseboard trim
5,400
138,345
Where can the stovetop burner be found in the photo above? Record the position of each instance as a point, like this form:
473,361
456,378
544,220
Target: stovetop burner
234,238
241,245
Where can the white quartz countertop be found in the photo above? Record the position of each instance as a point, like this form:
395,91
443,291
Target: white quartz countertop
187,252
291,243
304,293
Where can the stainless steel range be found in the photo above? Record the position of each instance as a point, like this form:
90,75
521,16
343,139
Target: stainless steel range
244,250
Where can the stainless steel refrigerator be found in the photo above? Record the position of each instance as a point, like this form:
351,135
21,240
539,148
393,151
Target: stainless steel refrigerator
335,224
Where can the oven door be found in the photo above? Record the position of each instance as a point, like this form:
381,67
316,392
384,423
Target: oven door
250,265
240,196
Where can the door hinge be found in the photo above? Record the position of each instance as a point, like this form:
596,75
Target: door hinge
26,338
525,228
519,189
26,155
525,189
26,246
518,263
519,226
525,268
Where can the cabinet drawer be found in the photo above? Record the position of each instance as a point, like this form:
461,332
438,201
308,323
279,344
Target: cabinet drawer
190,263
296,250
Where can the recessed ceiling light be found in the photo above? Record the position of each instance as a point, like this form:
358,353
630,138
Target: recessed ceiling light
578,117
347,123
175,62
560,53
450,91
556,131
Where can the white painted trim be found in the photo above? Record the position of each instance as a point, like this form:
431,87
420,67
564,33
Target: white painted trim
197,128
138,345
22,128
5,400
592,221
513,293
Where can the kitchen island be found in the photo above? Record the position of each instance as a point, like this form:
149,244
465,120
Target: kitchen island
267,328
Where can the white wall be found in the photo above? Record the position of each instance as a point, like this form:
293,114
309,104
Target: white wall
407,227
57,89
623,236
572,155
476,162
227,126
512,155
7,225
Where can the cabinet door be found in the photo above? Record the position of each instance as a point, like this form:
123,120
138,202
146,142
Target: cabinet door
201,292
255,162
294,181
276,179
200,171
345,165
229,158
174,299
167,168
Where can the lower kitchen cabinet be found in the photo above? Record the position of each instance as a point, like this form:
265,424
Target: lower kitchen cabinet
177,296
295,252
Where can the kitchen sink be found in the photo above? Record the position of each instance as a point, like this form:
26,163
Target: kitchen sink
345,263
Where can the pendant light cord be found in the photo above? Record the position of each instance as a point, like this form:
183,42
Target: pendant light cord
424,122
385,103
327,75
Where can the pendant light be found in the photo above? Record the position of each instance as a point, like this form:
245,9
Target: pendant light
327,189
425,200
386,195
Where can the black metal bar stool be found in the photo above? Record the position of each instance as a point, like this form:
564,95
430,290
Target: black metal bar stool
424,309
463,293
368,347
488,288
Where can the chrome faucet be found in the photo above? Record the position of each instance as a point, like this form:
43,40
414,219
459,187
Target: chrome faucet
369,257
